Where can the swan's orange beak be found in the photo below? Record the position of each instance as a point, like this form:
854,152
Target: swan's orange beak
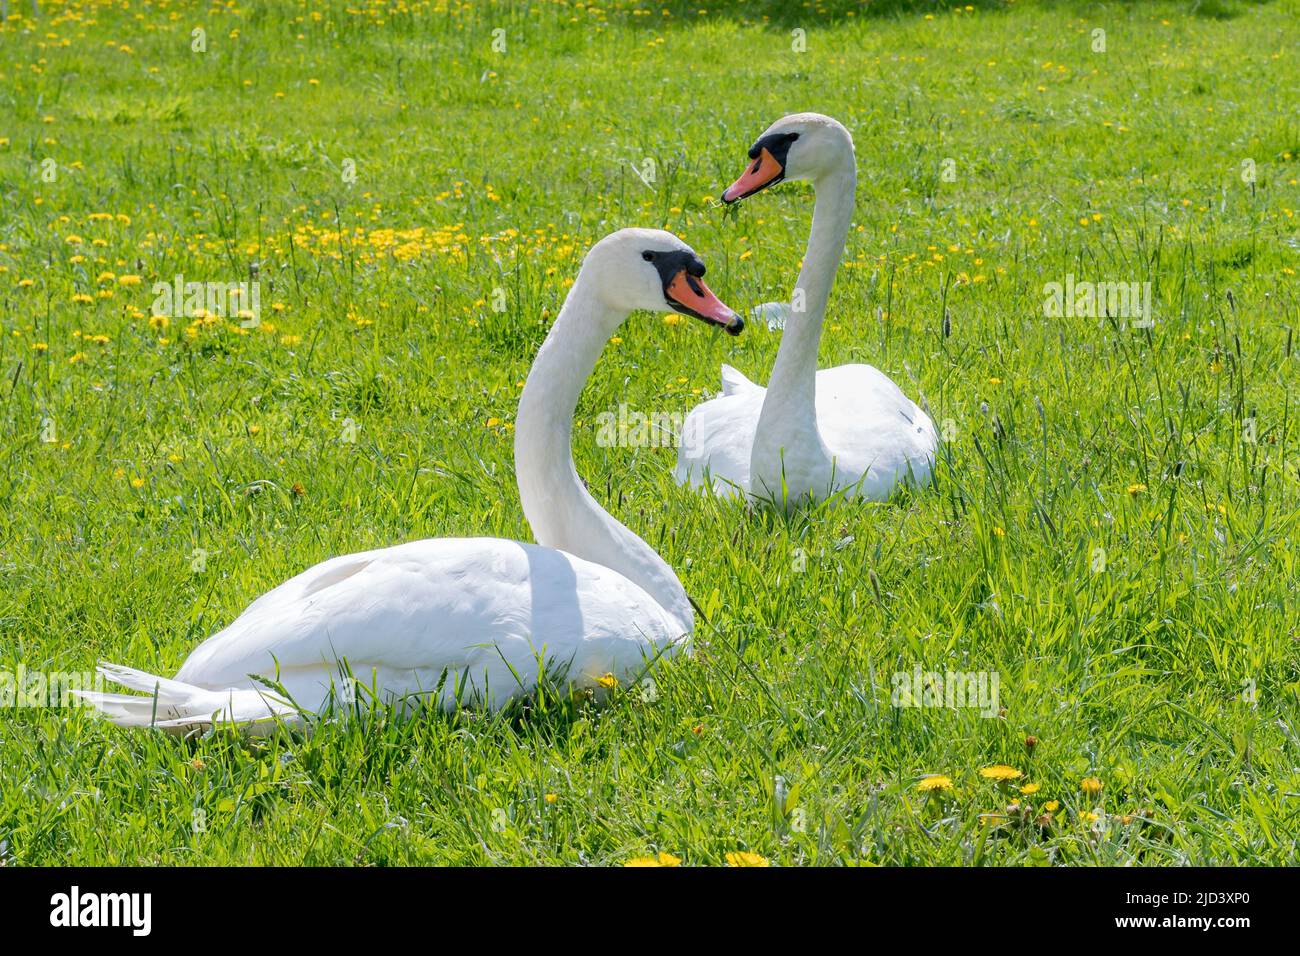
688,294
762,172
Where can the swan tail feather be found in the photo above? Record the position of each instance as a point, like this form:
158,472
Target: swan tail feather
734,381
178,707
775,314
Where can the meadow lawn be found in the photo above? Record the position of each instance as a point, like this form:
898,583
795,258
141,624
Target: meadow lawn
1111,530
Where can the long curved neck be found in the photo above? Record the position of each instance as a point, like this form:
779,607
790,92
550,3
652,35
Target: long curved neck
558,508
787,425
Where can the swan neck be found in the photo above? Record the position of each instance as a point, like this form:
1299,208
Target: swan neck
832,217
787,425
558,508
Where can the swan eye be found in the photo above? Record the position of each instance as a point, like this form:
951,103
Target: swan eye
648,256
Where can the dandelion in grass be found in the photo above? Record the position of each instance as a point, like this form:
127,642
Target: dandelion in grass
1031,788
934,784
741,858
1136,489
1000,772
551,798
1090,785
659,859
607,681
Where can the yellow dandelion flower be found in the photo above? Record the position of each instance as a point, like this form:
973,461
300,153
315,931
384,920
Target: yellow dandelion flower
1051,806
254,429
660,859
1031,788
934,783
128,280
999,533
741,858
551,798
608,681
1000,772
1090,785
1136,489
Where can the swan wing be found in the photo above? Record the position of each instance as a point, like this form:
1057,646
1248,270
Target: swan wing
716,441
872,428
483,612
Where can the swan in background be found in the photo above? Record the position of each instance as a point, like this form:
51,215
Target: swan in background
809,434
468,620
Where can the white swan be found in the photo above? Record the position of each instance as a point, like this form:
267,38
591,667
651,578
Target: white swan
468,620
848,429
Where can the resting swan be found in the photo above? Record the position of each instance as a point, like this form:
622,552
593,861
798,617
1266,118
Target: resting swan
809,434
468,620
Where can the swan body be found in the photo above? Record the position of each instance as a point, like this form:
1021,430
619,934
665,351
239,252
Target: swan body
848,431
873,453
466,621
446,620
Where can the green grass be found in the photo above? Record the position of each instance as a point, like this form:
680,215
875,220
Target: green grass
1068,435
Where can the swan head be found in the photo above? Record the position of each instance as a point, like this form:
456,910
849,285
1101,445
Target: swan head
648,269
806,146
